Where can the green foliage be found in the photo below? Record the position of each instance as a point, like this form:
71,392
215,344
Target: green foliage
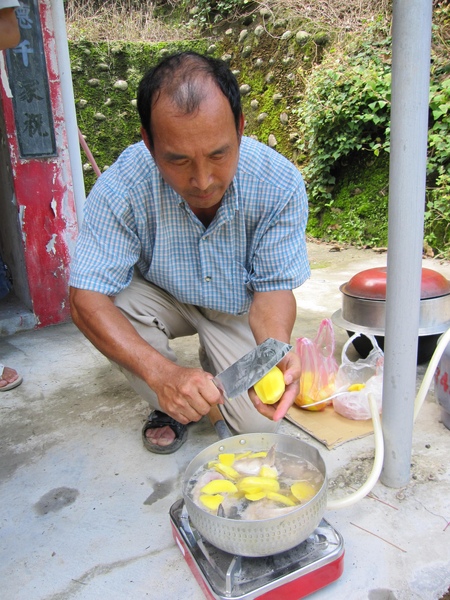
345,109
437,214
345,112
208,12
359,211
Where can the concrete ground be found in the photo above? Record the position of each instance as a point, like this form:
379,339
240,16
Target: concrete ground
85,506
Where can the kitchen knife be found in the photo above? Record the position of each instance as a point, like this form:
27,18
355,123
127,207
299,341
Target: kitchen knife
252,367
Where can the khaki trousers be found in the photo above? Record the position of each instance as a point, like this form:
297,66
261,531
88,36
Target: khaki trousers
224,338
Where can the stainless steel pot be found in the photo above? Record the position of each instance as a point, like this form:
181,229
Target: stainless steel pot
266,536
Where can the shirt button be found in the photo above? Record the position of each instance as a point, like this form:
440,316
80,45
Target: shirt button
207,278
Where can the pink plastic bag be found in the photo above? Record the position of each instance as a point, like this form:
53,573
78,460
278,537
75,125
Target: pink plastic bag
318,366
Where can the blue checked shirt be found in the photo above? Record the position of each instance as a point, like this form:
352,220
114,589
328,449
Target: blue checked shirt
256,241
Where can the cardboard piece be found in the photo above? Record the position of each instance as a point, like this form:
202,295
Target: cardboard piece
328,427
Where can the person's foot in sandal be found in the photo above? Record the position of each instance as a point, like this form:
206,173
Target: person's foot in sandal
9,378
162,434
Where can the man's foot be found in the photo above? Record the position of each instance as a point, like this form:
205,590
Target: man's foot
162,434
9,378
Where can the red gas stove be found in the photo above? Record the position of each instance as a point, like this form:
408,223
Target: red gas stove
291,575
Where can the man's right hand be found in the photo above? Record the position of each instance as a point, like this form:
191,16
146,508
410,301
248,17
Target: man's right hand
186,394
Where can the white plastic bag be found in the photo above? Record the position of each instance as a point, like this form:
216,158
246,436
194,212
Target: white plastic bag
365,372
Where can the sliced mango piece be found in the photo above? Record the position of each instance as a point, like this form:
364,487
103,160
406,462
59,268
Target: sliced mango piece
271,387
211,501
255,496
243,455
355,387
219,486
250,485
227,459
303,490
226,471
261,454
280,498
266,471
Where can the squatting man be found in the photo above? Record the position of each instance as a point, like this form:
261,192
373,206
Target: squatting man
196,229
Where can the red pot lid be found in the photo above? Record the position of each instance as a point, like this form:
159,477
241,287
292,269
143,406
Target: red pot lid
371,284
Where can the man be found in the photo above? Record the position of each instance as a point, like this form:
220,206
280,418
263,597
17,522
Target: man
9,27
9,37
194,230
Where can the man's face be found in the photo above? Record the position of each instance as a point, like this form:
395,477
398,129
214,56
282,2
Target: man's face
196,154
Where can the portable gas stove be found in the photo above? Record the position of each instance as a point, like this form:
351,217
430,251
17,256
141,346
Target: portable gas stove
291,575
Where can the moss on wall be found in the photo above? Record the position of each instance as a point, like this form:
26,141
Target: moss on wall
106,77
358,213
273,64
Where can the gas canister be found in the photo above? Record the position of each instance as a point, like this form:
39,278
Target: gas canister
442,385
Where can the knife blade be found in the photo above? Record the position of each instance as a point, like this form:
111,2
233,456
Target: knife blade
252,367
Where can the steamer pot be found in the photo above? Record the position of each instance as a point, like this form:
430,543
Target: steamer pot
266,536
364,309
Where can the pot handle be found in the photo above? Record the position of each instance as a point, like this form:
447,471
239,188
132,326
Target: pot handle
217,420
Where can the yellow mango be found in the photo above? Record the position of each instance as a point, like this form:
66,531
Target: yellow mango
250,485
227,459
255,496
304,401
280,498
226,471
271,387
355,387
309,394
242,455
219,486
211,501
303,490
261,454
266,471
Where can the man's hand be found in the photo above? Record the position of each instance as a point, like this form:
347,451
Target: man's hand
186,394
290,365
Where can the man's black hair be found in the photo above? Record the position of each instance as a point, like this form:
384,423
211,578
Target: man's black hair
182,76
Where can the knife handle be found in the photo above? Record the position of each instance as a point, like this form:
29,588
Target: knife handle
218,422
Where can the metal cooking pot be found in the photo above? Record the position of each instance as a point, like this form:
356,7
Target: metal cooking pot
266,536
364,309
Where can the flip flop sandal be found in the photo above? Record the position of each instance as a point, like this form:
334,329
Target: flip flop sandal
12,385
159,419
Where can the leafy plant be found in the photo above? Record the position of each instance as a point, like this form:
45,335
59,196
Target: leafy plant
345,109
437,216
437,213
207,12
345,115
